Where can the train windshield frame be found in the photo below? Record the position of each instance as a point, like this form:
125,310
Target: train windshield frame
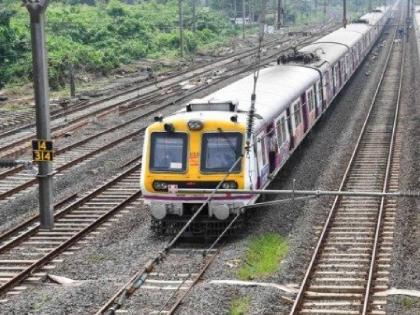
168,152
219,151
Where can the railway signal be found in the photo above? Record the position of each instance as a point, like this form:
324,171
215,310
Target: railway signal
36,9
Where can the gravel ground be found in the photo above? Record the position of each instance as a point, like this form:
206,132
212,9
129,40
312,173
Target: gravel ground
123,249
405,264
319,163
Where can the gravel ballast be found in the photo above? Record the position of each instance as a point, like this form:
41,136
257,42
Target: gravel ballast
112,257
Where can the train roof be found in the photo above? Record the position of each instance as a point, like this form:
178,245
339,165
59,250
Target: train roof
417,15
333,46
277,87
372,18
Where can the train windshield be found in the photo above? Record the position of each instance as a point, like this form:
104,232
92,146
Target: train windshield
168,152
220,151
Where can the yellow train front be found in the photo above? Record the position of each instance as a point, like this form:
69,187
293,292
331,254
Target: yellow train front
194,148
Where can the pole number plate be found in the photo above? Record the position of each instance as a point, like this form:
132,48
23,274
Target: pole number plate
42,150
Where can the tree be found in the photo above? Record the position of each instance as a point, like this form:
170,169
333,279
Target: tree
7,40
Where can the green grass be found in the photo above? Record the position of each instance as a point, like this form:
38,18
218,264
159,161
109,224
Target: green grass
263,256
240,306
410,302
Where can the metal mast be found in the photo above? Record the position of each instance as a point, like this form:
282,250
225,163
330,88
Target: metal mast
344,13
36,9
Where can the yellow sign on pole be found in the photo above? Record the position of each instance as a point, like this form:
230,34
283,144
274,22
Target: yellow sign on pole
42,150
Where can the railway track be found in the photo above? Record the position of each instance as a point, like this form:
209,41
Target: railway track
17,140
350,265
11,124
27,252
163,289
14,181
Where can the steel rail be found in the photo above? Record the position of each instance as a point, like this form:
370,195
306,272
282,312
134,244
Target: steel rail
332,212
385,187
148,94
5,237
85,104
113,143
78,235
244,54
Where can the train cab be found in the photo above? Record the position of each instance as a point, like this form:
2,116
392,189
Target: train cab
194,148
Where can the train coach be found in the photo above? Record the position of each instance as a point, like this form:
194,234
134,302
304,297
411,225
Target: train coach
198,146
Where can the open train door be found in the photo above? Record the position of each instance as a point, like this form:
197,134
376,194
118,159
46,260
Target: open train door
304,101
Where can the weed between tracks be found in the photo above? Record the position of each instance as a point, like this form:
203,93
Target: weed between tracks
240,306
263,256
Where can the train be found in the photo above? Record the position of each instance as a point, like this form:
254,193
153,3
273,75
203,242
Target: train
204,143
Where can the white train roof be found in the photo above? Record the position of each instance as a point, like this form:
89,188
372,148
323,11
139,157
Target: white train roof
372,18
277,87
333,46
417,15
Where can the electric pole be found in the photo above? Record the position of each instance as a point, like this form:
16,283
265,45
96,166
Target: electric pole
72,81
370,6
181,28
36,9
194,22
243,19
280,13
344,13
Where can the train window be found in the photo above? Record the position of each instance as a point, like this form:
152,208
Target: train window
311,100
281,131
297,113
220,151
168,152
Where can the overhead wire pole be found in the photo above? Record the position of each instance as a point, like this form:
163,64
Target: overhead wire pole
36,9
243,19
344,13
370,6
325,10
181,28
280,13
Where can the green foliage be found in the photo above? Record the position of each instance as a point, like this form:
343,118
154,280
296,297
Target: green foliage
263,256
240,306
98,36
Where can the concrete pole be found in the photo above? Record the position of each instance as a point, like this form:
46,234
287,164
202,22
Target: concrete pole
243,19
181,28
280,13
72,81
370,6
344,13
325,11
36,11
194,19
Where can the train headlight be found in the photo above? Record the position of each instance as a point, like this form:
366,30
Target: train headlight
229,185
195,125
160,186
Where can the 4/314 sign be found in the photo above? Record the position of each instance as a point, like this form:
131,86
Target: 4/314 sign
42,150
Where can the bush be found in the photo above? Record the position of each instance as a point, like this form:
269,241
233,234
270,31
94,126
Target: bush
101,37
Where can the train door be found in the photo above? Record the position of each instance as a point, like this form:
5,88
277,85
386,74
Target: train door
290,128
263,160
339,74
319,100
327,91
272,147
296,119
305,112
283,140
334,79
310,96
